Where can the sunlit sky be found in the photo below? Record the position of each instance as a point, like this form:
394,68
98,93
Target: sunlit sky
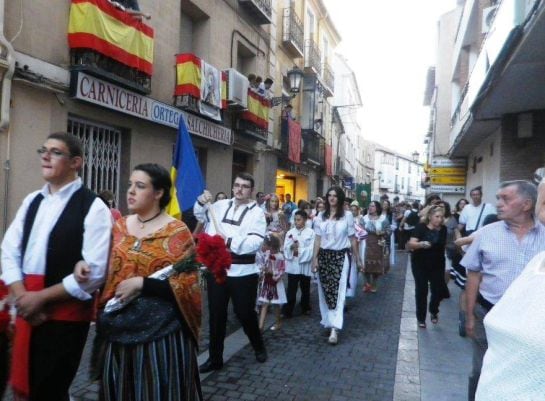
390,45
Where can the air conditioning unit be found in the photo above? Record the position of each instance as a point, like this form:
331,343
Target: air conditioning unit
488,18
237,89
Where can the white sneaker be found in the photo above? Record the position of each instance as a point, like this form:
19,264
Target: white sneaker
333,339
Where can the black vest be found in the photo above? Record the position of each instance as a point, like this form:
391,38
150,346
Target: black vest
66,238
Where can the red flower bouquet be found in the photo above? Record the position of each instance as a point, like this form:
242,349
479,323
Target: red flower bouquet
212,252
4,308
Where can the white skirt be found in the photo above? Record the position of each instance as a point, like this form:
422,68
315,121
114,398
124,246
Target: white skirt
334,318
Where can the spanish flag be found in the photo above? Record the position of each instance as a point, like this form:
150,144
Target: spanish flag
223,90
98,25
188,75
185,173
258,110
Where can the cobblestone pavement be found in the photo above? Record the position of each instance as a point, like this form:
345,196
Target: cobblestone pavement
302,366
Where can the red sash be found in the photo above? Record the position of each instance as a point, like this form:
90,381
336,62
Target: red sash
70,311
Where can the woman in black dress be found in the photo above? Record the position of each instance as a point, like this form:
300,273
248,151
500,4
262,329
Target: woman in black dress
428,263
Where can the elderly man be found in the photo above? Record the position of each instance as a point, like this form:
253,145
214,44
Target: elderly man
497,256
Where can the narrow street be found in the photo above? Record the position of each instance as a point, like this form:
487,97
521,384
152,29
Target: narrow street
381,355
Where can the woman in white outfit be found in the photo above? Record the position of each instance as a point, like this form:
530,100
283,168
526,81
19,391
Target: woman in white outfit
334,247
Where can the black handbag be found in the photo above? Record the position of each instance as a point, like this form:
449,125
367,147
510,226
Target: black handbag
143,320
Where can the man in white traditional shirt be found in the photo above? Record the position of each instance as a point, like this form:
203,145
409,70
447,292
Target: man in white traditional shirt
241,222
55,228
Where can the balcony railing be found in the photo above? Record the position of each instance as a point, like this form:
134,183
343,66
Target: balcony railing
313,148
97,64
328,79
293,34
125,59
313,56
260,10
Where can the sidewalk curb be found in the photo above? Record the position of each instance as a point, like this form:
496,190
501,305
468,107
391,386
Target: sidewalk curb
407,377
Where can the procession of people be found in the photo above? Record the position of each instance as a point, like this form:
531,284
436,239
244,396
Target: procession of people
68,247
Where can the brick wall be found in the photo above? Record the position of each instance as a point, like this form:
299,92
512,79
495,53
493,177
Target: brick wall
521,157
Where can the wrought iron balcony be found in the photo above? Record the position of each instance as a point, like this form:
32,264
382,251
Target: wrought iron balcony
97,64
328,79
260,10
313,148
313,57
293,33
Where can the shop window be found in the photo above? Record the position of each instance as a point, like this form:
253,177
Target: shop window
101,153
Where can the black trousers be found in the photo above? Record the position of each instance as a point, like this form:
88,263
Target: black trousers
243,292
55,353
296,281
424,277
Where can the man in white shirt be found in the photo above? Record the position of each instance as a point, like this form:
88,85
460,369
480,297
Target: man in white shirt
55,228
241,222
473,215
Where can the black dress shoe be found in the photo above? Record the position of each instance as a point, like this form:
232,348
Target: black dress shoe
210,366
261,355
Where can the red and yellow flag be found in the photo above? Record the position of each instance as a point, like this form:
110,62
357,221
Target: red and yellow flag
188,75
98,25
223,89
258,110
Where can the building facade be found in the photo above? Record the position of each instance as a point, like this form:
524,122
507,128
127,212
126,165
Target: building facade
191,59
398,176
493,71
307,38
348,146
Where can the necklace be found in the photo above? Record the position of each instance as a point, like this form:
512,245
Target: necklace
142,222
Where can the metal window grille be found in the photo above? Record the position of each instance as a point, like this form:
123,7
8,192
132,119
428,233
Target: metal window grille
102,155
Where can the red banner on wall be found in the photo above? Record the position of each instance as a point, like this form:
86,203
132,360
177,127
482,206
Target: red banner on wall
329,160
294,151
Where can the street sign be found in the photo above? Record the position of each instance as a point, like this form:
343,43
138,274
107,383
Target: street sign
448,179
443,162
448,171
448,189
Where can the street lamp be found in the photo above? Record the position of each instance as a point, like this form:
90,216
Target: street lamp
415,156
295,77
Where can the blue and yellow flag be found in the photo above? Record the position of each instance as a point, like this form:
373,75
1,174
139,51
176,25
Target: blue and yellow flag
185,173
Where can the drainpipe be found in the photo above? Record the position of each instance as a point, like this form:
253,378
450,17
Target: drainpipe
7,67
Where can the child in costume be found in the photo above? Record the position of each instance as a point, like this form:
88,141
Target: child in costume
271,287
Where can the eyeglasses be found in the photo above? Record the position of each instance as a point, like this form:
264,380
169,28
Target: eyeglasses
53,153
243,186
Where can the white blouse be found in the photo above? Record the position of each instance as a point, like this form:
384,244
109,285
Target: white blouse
334,234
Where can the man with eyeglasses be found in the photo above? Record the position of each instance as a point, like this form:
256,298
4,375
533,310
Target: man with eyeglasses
241,222
55,228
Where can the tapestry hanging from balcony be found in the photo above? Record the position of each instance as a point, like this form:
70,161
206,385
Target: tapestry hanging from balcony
258,110
99,26
203,82
329,160
294,153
